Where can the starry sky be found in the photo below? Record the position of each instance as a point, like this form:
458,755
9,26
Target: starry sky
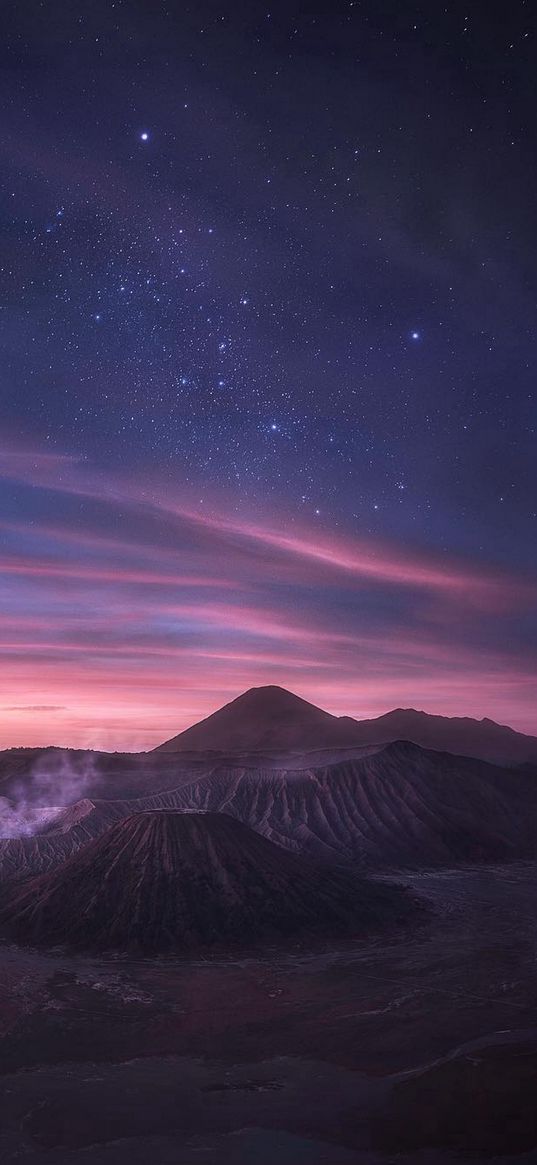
268,303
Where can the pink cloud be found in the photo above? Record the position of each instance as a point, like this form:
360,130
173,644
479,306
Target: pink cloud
133,635
361,560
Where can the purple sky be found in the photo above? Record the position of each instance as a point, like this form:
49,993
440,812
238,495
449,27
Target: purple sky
267,376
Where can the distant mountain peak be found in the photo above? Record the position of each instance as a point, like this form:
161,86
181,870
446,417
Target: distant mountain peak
272,696
260,718
404,712
271,719
267,689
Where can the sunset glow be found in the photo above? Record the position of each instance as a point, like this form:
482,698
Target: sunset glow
118,632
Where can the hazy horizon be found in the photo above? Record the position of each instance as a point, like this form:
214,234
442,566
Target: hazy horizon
154,736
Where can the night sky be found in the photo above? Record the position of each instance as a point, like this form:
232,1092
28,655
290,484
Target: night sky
268,301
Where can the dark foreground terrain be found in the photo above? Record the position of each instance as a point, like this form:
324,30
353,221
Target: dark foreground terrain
162,881
419,1048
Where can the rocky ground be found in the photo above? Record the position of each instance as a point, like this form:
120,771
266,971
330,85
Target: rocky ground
420,1048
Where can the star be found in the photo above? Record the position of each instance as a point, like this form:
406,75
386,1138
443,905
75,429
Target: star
128,290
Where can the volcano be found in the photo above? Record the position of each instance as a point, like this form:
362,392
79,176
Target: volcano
263,719
166,880
271,719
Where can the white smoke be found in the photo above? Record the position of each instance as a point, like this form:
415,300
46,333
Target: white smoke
42,795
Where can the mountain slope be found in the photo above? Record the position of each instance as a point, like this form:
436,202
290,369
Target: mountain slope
264,718
272,719
484,739
401,806
398,807
181,881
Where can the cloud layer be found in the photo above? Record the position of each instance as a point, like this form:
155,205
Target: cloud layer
129,609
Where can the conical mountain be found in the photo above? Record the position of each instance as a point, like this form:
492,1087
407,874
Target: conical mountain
265,718
166,880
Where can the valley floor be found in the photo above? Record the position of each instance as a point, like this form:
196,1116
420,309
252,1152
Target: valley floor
421,1048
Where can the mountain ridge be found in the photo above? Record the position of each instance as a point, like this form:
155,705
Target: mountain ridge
271,717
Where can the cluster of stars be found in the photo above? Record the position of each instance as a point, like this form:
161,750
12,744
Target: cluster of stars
319,317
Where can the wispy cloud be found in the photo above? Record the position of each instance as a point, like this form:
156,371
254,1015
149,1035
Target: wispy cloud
35,708
125,629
